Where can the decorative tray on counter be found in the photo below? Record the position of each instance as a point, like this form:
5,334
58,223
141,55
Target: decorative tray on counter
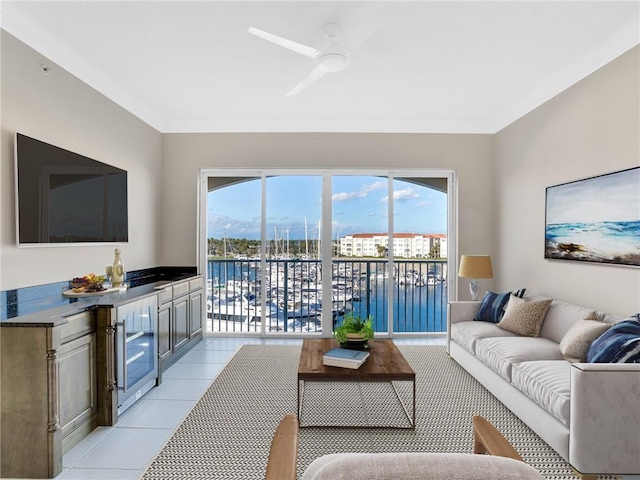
71,293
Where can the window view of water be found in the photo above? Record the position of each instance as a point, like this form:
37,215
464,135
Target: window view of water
293,295
283,293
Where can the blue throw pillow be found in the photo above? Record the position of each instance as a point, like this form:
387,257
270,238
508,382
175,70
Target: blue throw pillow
493,305
619,344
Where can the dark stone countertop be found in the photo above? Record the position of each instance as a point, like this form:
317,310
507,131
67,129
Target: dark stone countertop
58,315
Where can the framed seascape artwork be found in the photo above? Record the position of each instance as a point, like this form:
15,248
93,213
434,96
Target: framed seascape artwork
595,220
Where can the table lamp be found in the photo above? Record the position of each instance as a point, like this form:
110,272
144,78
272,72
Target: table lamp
474,267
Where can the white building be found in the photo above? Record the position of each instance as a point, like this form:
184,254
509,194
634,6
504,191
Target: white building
405,245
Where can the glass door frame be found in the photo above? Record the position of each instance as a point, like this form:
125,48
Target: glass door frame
326,234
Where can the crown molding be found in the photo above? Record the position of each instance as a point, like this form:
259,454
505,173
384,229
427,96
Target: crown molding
20,27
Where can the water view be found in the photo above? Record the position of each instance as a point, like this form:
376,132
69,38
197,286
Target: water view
294,299
607,242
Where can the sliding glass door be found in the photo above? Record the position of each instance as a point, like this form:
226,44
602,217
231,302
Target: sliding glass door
290,253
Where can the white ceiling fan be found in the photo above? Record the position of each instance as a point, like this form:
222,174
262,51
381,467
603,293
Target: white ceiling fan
337,56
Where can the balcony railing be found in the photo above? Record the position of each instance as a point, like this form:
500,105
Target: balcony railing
415,289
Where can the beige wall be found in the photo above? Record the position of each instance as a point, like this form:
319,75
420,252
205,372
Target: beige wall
185,154
590,129
60,109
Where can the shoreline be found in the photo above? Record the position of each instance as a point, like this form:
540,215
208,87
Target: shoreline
579,252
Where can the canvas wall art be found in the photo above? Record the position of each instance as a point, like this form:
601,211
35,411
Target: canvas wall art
595,220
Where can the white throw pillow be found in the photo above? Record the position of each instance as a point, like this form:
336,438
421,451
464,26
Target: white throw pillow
576,342
523,316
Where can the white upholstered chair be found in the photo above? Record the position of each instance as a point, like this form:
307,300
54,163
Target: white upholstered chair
502,463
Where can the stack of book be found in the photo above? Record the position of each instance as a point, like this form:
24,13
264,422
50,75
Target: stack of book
342,357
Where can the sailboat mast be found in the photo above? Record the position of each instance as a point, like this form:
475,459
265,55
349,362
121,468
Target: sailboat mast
275,241
306,239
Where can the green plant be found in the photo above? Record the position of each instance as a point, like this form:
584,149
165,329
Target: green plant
352,324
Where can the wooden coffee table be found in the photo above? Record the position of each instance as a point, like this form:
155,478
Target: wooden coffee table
385,364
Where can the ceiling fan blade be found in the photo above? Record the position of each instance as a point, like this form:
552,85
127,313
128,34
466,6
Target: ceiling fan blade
315,75
283,42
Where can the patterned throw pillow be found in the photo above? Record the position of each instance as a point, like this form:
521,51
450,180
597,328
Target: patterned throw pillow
619,344
524,317
576,342
493,305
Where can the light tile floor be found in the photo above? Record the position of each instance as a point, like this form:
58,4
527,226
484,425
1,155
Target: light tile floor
123,452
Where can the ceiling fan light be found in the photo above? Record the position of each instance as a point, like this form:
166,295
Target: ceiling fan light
333,62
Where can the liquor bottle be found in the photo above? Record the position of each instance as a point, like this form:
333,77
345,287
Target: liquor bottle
118,271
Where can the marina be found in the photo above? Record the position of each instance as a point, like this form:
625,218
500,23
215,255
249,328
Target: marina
293,294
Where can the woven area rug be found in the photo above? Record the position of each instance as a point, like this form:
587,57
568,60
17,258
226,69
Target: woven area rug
228,432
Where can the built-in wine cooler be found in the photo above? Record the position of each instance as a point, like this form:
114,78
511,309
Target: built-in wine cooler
136,350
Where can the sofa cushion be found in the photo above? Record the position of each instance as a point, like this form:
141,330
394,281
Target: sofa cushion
416,466
500,353
610,318
560,318
576,342
548,383
493,305
468,333
524,317
619,344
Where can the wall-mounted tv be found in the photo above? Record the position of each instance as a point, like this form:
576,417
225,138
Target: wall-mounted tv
65,198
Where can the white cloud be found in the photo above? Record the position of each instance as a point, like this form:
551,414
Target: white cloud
426,203
342,226
218,226
406,194
344,196
362,193
374,186
402,195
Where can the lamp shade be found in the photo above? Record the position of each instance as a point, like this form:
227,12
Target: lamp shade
475,266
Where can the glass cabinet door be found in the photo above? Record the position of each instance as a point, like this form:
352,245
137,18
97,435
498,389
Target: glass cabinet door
137,338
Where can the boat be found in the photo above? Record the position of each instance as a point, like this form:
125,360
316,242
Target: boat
292,291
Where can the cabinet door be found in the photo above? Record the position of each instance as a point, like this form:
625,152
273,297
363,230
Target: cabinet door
76,364
195,310
180,322
164,330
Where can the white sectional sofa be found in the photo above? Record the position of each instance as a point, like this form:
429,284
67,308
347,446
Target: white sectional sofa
588,412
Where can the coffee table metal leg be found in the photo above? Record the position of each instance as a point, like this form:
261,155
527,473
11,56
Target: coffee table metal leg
413,424
300,395
411,418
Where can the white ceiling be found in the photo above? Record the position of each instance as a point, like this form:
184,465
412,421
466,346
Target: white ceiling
468,67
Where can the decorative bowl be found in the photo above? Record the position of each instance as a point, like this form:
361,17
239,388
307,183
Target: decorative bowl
355,337
355,344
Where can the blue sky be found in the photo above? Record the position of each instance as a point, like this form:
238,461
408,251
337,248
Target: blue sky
359,204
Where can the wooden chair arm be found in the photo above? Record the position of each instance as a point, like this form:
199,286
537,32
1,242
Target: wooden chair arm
486,439
283,453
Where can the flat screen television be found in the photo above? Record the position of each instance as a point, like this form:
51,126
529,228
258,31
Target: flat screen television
66,198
